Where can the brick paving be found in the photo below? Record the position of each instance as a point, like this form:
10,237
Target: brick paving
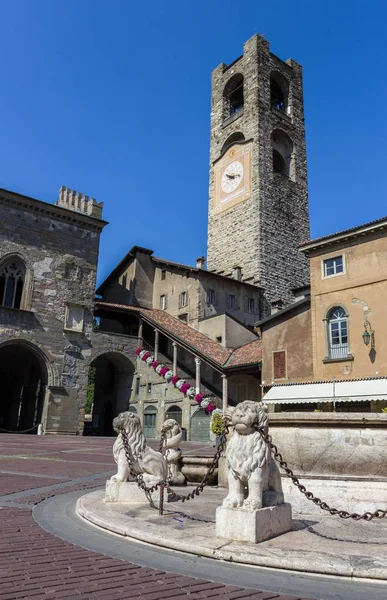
35,564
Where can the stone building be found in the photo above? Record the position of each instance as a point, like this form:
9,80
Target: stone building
258,206
48,263
335,335
198,323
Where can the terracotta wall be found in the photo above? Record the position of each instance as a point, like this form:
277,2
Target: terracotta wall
362,291
293,335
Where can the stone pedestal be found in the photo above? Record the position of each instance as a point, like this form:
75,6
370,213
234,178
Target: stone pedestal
253,526
129,492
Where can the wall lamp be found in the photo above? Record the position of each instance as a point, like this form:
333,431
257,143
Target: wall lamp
368,334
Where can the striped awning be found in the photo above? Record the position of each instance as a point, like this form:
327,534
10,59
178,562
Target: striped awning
362,390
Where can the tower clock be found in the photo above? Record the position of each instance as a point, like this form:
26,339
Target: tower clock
232,177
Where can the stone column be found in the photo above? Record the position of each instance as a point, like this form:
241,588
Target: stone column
174,368
224,392
198,362
156,343
140,328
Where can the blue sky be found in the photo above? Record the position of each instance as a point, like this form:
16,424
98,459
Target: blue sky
113,99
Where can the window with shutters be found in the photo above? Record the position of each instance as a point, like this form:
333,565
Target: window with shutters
279,364
183,299
163,301
231,301
250,305
211,297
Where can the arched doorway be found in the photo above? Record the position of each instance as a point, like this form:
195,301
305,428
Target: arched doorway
23,377
150,414
200,426
132,409
174,412
108,392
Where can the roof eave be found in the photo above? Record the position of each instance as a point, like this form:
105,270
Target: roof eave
336,238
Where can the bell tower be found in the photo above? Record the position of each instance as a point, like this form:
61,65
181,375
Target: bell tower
258,204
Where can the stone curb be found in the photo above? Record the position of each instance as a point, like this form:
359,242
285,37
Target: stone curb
271,554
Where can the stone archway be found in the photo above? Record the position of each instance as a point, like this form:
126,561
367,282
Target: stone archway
24,377
109,389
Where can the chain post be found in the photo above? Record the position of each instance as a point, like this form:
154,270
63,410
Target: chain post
161,501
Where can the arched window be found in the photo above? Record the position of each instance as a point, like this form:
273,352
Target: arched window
282,147
279,92
12,277
338,332
233,97
232,139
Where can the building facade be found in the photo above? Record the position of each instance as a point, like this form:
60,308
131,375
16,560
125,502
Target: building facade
198,323
258,199
48,264
337,334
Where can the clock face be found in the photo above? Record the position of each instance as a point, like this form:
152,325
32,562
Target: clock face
232,177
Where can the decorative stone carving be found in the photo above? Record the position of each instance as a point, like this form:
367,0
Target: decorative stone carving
145,461
254,509
249,461
173,434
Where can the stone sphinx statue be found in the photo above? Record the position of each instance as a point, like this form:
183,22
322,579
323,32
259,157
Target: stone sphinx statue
172,433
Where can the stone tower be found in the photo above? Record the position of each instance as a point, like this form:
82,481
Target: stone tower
258,205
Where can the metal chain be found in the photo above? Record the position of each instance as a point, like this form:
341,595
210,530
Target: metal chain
199,488
137,476
165,484
20,430
368,516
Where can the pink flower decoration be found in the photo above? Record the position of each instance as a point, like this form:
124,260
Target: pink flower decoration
199,398
175,379
138,351
146,355
184,388
163,370
155,363
210,407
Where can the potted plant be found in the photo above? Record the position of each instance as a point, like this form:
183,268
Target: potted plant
217,425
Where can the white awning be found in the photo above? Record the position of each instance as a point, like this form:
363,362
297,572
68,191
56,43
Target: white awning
363,390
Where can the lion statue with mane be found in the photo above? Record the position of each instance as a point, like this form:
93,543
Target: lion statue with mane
249,461
145,461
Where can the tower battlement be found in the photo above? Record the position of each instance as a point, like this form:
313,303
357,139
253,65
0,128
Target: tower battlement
73,200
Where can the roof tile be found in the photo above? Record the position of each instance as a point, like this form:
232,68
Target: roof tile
228,357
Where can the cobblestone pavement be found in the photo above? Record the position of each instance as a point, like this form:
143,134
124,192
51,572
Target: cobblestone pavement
36,564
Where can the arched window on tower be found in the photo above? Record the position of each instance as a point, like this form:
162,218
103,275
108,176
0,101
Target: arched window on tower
279,92
237,136
282,147
233,97
12,278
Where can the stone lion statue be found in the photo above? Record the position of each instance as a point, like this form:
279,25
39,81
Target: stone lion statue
249,461
173,434
145,461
